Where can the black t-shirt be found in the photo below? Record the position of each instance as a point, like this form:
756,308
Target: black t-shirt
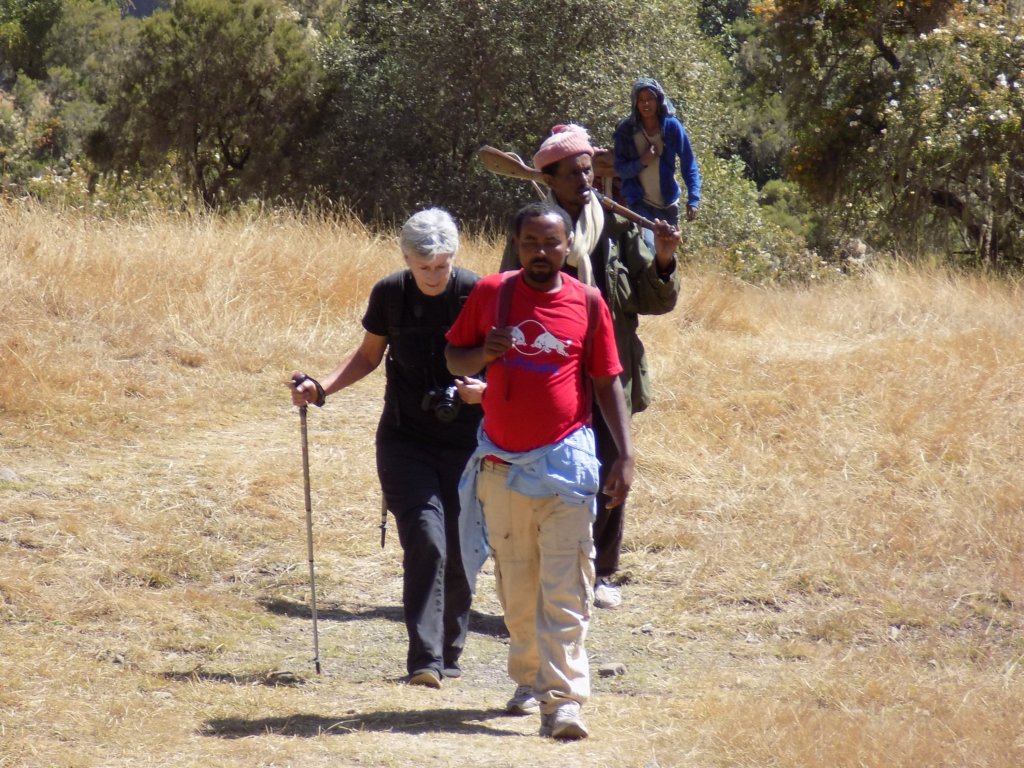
415,325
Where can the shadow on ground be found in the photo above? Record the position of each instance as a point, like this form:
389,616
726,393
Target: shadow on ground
462,721
481,623
276,678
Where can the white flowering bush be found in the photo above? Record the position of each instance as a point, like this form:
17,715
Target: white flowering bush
907,118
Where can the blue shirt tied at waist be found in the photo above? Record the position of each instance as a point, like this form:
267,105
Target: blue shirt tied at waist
567,469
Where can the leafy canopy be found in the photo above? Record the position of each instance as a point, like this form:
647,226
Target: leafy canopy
419,86
24,25
224,88
908,116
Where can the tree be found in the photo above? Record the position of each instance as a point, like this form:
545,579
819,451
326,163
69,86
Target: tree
223,90
717,18
82,53
909,114
420,85
958,141
24,25
760,133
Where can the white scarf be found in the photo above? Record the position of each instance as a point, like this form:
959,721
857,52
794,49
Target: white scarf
586,236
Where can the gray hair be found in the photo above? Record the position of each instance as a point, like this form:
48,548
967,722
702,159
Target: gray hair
428,234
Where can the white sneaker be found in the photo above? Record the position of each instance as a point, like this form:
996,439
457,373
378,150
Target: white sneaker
523,702
564,723
607,595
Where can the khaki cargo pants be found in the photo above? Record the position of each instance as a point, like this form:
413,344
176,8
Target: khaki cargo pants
544,571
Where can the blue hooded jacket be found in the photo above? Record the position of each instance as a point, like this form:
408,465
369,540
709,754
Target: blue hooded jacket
677,144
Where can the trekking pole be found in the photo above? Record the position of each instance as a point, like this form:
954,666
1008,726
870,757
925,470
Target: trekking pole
309,535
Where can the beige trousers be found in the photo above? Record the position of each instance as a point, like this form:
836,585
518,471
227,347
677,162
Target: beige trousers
544,571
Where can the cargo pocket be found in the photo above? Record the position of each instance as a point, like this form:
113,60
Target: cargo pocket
498,581
640,386
587,553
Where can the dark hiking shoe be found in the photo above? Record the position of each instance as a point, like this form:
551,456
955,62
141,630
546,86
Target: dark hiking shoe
428,678
452,671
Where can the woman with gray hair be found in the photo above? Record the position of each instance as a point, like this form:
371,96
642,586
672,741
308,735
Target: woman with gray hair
426,433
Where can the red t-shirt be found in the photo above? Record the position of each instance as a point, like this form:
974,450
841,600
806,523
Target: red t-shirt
535,394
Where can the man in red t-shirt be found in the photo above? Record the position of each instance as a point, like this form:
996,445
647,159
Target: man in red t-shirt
544,343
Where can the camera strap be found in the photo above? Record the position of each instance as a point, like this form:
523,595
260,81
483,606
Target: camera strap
455,294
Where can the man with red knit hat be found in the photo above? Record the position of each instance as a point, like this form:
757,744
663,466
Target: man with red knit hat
608,252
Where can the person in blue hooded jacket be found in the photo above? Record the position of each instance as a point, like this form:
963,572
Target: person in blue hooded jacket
647,144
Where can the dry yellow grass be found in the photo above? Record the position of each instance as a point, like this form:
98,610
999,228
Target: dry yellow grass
824,548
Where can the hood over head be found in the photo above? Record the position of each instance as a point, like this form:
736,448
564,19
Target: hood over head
665,106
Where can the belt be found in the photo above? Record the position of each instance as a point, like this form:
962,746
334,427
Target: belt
495,460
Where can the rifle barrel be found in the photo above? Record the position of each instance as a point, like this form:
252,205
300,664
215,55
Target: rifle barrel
622,210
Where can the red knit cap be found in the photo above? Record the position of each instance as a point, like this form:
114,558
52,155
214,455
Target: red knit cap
564,141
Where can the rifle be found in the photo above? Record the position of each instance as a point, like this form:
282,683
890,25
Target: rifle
508,164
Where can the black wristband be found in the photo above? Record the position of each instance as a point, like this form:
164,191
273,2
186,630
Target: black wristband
321,396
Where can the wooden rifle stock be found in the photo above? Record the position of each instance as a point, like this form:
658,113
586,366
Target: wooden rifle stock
508,164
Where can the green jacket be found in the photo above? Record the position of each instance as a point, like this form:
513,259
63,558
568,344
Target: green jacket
627,276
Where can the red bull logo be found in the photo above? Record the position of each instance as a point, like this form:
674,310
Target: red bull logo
531,338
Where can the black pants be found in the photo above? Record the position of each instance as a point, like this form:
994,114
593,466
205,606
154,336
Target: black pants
609,523
420,483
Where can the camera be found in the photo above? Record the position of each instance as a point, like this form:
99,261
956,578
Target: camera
445,403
